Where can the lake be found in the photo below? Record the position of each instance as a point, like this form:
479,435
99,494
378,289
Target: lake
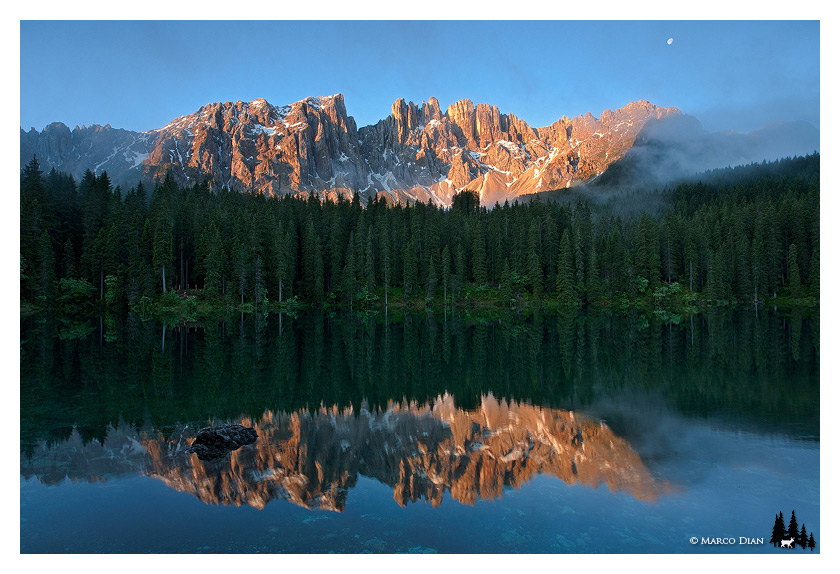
571,433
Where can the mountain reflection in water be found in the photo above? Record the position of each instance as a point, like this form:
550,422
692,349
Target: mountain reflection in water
420,451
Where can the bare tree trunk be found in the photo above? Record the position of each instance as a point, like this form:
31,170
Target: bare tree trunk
163,274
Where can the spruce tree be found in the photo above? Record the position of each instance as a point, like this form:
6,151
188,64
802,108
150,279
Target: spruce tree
778,530
445,267
162,255
794,281
535,273
46,270
793,527
410,268
479,255
802,538
565,273
213,262
507,286
260,291
241,269
593,277
811,542
814,270
68,268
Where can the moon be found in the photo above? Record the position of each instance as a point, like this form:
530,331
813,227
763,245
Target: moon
670,41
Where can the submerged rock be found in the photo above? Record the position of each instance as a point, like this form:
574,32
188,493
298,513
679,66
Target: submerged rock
216,442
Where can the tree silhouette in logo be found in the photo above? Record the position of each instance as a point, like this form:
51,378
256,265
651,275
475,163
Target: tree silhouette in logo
793,535
793,527
802,539
778,530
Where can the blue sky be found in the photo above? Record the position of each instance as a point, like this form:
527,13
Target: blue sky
139,75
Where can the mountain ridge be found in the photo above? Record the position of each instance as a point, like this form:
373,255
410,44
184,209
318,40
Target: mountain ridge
417,153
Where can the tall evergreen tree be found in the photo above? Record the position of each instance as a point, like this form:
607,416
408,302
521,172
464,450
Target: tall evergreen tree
565,273
213,262
814,271
46,270
794,281
793,527
778,530
479,254
535,273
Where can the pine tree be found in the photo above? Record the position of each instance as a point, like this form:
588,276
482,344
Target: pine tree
811,542
46,270
280,248
348,273
445,271
793,527
31,219
259,282
565,273
577,249
814,270
535,274
240,264
507,285
213,262
550,247
385,246
432,275
410,268
68,268
794,281
162,257
778,530
370,271
313,263
479,255
593,277
802,538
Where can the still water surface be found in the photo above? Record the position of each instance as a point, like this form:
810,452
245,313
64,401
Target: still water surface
557,434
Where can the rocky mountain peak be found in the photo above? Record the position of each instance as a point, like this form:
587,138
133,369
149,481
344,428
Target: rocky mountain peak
417,153
419,451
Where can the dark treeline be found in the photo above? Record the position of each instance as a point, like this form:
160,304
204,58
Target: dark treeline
760,368
740,236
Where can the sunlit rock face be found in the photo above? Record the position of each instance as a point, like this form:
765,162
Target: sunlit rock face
420,451
418,153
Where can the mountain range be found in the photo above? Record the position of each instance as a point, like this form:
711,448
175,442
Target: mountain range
420,451
418,153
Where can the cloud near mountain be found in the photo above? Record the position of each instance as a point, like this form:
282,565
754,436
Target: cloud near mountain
418,153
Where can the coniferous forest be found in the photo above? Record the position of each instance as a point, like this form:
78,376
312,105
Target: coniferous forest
737,236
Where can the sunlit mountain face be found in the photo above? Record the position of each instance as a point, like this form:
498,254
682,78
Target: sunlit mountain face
313,459
419,152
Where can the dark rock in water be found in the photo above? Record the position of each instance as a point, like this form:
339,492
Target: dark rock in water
216,442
